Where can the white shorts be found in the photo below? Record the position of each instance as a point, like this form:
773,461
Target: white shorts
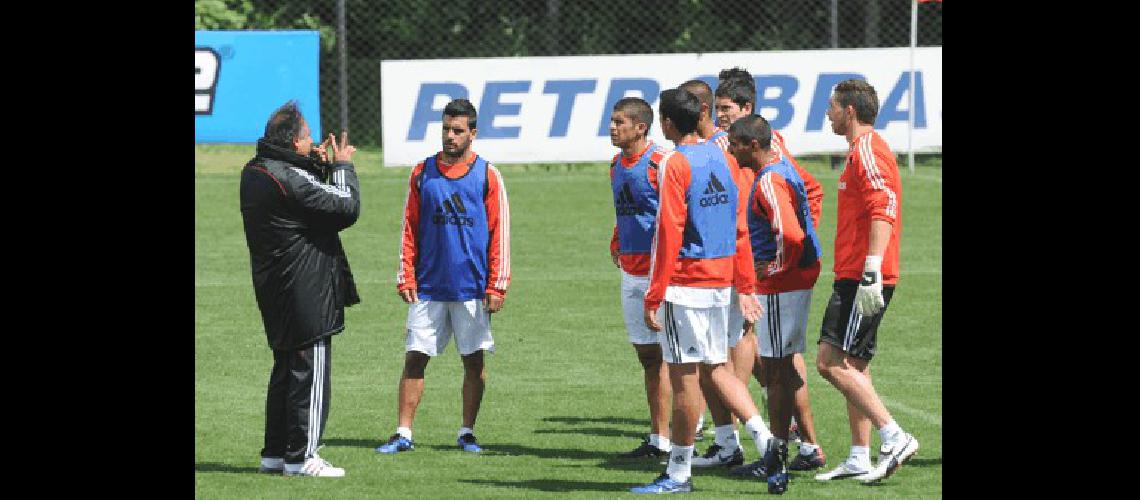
693,334
431,325
783,329
735,320
633,309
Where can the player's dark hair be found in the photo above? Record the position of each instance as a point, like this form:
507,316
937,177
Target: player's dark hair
284,125
751,128
682,108
461,107
860,94
638,109
700,89
737,85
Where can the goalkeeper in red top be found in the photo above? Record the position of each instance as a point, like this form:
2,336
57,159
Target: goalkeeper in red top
736,98
633,181
786,253
700,250
866,270
455,266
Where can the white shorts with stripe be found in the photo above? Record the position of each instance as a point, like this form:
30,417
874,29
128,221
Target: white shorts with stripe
693,334
782,331
431,324
633,290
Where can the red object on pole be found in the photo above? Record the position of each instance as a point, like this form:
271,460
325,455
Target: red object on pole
928,1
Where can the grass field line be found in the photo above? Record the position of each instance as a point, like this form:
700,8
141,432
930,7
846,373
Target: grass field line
914,412
571,277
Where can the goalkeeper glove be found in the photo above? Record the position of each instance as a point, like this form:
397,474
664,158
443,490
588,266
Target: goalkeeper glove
869,297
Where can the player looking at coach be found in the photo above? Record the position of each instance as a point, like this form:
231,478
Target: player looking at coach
293,206
735,99
725,450
633,181
455,266
700,250
868,224
786,253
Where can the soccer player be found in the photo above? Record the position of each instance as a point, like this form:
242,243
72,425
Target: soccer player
869,220
725,450
786,252
700,250
633,180
455,266
736,98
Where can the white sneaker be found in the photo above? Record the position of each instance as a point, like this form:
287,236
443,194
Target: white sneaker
272,465
892,457
717,455
847,469
315,467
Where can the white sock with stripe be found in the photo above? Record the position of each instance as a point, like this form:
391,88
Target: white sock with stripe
680,466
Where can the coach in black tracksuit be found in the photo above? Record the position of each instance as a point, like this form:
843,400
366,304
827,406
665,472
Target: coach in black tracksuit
292,208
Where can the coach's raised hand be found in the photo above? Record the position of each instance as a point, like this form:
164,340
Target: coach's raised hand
344,151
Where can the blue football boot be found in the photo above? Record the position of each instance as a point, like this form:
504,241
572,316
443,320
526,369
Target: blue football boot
396,443
663,484
467,443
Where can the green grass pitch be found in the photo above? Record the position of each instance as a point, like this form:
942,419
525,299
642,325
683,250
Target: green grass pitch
564,391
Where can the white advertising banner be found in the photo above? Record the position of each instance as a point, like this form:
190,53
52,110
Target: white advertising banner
557,109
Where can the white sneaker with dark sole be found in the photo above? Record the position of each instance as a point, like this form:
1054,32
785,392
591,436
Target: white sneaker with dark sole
314,467
272,465
844,471
896,455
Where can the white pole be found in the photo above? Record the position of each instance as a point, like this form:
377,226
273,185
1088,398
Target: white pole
910,111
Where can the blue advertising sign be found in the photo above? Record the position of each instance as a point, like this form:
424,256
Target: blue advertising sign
241,77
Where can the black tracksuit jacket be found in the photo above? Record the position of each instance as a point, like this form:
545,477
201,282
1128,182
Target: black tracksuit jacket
292,218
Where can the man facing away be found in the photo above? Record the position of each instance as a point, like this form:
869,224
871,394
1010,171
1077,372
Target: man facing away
725,450
868,224
633,181
700,251
455,266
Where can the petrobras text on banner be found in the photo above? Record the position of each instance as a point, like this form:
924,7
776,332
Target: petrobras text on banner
240,77
557,109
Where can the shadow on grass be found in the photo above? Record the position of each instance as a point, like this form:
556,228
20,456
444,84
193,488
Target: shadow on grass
595,431
554,485
220,467
503,449
923,462
566,419
355,442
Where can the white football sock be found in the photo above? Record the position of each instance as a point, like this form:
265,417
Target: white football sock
404,431
890,432
723,434
860,456
465,430
662,443
807,448
680,463
759,432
